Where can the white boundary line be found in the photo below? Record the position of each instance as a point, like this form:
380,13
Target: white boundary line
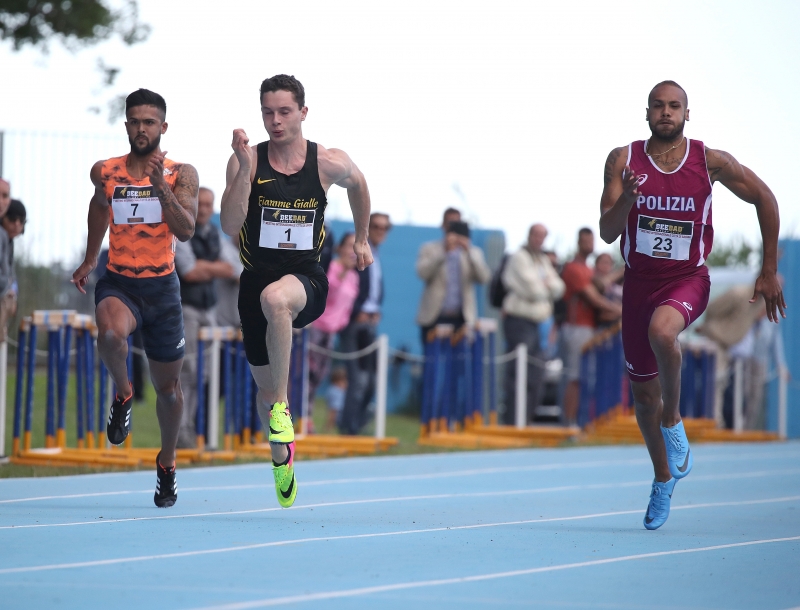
248,547
325,595
398,499
454,473
699,478
442,457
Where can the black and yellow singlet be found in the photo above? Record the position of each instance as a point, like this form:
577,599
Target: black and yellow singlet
284,230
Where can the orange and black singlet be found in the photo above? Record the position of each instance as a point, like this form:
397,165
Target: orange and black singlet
284,230
140,242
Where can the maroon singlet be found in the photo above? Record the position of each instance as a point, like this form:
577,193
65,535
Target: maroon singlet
669,232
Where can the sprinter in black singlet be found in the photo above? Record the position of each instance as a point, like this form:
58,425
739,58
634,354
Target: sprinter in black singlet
275,200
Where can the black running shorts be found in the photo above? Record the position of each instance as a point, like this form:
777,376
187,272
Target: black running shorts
254,324
155,302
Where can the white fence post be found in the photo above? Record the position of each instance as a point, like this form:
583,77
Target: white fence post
381,386
782,403
3,380
738,395
522,386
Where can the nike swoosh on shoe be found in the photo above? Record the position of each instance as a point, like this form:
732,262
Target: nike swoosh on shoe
288,493
685,463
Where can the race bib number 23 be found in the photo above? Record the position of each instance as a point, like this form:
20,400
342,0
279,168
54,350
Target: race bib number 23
283,229
664,238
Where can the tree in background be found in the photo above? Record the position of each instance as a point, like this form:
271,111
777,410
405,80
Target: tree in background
734,253
76,24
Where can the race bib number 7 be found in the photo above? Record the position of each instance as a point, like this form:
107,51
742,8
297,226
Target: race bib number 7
283,229
663,238
135,205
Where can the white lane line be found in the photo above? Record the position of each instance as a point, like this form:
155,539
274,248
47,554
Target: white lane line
457,473
350,481
326,595
786,454
248,547
479,494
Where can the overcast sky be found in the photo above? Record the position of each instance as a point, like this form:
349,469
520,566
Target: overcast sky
504,109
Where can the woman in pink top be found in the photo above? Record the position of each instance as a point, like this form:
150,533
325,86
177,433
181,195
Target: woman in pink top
342,293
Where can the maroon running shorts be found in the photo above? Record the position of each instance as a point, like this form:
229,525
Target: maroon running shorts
640,297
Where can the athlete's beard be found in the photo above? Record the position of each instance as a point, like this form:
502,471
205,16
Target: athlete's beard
146,150
671,136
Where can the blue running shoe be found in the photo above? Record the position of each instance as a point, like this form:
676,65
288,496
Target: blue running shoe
658,508
679,455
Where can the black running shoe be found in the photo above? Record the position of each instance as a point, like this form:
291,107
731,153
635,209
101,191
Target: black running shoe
166,485
119,419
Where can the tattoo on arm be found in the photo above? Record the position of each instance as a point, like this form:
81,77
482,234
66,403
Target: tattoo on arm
611,161
719,162
181,205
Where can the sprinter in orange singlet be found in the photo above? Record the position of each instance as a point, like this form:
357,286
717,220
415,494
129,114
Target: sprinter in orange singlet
147,201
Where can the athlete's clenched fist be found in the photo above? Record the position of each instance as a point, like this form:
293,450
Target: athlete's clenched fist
241,148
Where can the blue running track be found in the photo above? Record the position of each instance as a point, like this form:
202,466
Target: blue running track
542,529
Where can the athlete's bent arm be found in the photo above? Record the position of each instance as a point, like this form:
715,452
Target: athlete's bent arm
180,206
598,301
743,183
619,195
337,166
238,180
97,220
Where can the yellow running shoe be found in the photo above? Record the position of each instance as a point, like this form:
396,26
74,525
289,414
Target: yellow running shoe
281,429
285,483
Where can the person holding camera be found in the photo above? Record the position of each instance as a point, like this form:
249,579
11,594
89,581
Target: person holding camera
450,269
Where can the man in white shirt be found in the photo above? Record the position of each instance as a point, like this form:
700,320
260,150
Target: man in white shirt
533,285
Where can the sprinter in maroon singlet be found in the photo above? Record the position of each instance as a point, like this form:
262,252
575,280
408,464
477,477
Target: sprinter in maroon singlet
657,197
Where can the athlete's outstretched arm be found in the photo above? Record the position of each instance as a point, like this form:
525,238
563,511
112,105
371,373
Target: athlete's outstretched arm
238,181
98,219
179,206
619,194
743,183
337,167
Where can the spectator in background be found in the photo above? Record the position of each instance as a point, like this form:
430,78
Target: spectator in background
450,269
335,395
533,285
727,320
584,304
5,196
11,226
608,280
342,293
227,311
198,263
362,331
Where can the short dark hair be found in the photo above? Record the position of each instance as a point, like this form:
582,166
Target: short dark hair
16,211
145,97
449,211
283,82
584,231
344,238
671,83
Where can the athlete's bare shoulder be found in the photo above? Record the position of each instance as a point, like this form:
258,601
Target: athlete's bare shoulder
96,174
615,163
721,165
336,167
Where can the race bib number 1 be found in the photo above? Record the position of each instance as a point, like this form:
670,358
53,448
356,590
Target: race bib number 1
663,238
135,205
283,229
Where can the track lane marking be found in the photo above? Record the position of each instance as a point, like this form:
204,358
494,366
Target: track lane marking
477,494
100,494
327,595
261,545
